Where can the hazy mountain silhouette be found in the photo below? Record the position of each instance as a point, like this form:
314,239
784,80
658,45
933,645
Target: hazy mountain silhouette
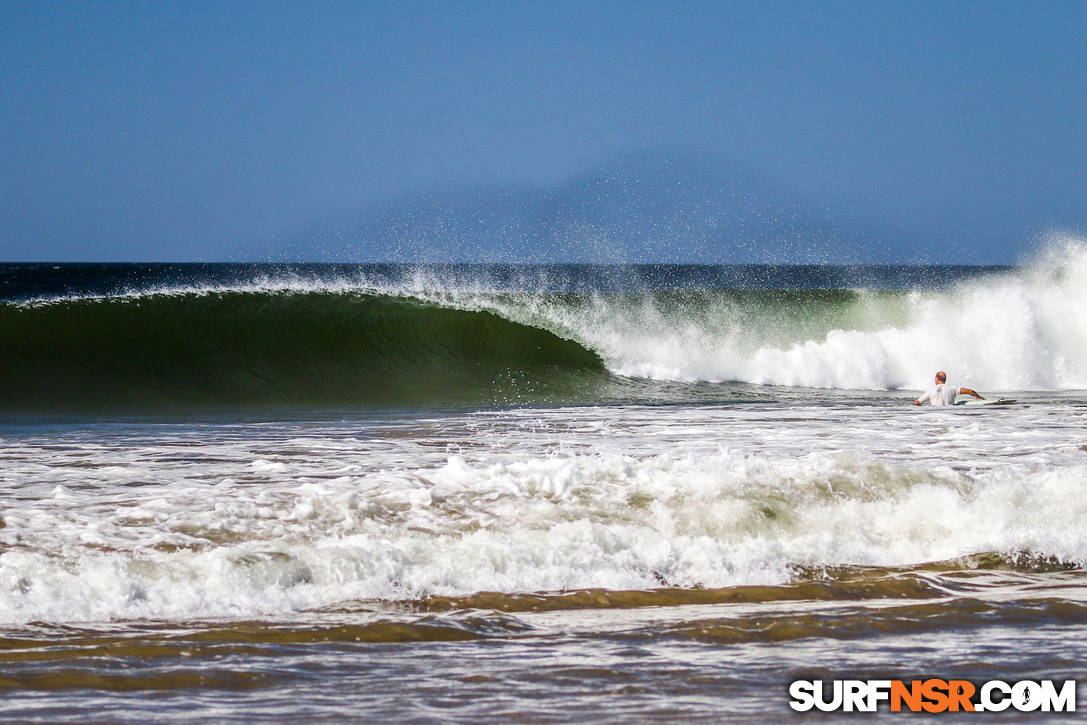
643,208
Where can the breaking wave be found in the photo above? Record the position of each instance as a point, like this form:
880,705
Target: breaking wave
430,339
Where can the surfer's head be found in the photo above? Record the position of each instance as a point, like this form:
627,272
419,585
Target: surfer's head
941,377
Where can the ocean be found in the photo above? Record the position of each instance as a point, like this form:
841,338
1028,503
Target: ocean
284,493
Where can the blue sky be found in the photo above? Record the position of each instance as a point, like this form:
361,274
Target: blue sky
189,130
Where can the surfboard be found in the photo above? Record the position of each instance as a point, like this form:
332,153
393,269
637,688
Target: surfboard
987,401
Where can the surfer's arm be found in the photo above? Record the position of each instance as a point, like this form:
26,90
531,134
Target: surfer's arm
968,391
925,397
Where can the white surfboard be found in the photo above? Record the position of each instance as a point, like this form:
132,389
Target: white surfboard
986,401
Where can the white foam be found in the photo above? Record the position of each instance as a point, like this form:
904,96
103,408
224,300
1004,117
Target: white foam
542,500
1012,331
1004,332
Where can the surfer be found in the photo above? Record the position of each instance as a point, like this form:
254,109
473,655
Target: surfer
941,394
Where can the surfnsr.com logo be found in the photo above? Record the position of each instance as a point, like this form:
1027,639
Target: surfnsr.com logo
933,695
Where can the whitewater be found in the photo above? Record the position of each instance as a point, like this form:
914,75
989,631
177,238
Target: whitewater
156,522
1008,330
652,491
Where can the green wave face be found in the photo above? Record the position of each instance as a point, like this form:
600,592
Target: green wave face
277,348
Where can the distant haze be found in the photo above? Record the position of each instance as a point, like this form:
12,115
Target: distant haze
532,132
640,208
